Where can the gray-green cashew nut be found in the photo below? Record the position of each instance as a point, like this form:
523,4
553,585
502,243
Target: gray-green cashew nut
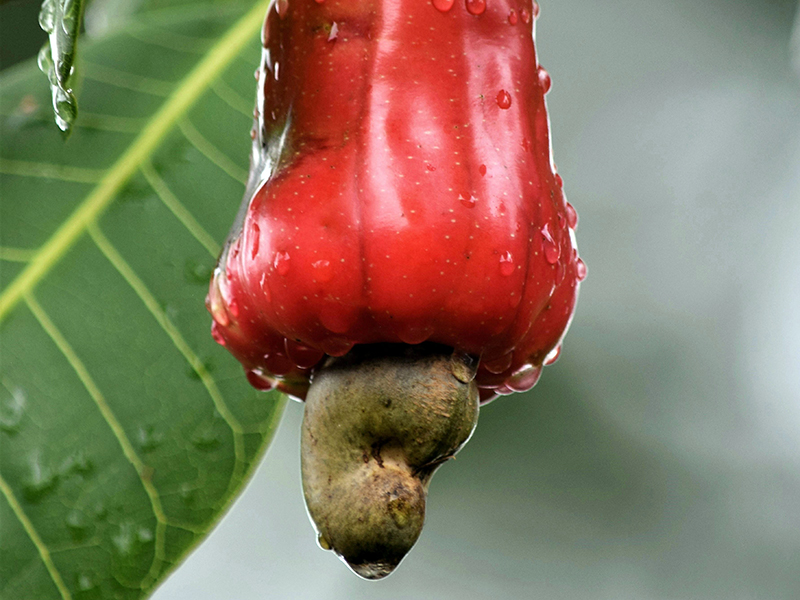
378,422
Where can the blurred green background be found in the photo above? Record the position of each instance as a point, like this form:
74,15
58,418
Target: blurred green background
659,458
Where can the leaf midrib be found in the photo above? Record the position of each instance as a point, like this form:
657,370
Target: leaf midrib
177,105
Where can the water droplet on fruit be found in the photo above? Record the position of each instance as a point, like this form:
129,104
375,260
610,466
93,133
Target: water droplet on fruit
522,380
526,145
233,308
430,167
334,346
559,180
512,17
217,334
525,15
260,380
412,335
319,1
535,9
544,80
215,301
552,356
443,5
580,269
255,239
482,170
506,264
467,200
551,249
498,365
323,271
334,32
12,409
476,7
572,216
282,6
281,263
302,356
503,99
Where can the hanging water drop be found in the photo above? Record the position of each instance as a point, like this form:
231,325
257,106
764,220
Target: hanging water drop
503,99
580,269
524,379
544,80
506,264
476,7
552,356
572,216
281,263
551,249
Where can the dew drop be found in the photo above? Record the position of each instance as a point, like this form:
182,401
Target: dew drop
148,438
188,494
559,180
572,216
498,365
321,541
12,409
217,334
255,236
233,308
41,480
215,302
323,271
535,9
282,6
544,80
253,133
482,170
77,524
334,346
302,356
86,586
503,99
512,17
552,356
430,167
334,32
476,7
123,539
467,200
414,334
443,5
206,439
506,264
524,379
525,15
281,263
526,145
580,269
259,380
551,249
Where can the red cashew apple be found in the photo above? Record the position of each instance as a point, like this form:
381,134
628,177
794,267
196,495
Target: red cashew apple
404,248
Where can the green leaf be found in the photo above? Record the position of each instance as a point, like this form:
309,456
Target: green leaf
61,20
126,431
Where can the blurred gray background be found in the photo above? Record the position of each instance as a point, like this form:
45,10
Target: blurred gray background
659,458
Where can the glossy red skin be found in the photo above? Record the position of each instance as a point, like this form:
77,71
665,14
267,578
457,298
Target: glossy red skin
406,199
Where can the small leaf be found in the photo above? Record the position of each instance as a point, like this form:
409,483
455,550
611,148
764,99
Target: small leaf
61,20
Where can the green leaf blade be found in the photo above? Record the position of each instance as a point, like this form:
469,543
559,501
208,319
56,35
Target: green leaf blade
135,429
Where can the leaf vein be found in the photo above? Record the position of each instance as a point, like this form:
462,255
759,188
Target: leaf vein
128,81
211,152
41,548
150,302
20,255
178,209
184,96
230,97
143,471
24,168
